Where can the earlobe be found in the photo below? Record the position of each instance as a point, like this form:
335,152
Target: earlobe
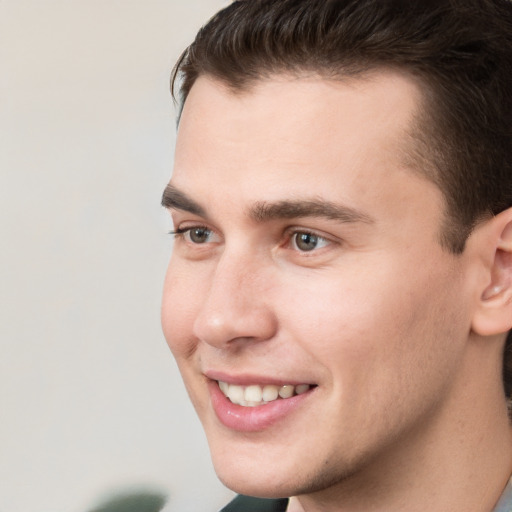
494,312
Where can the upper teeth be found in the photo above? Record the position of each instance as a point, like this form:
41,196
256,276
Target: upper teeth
253,395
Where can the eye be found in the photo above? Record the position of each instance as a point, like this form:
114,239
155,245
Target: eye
196,234
305,241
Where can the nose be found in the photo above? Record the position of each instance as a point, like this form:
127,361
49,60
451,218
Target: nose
236,308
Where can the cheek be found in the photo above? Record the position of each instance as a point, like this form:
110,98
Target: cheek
380,323
179,309
332,320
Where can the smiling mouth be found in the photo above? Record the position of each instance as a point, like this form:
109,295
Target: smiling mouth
255,395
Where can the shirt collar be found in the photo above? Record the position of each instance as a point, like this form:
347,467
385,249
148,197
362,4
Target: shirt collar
505,502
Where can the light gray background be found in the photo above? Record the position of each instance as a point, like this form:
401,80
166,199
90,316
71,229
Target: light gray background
90,399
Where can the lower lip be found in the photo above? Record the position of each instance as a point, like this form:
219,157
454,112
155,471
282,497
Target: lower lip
253,419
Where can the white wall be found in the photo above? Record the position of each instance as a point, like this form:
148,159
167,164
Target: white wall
90,398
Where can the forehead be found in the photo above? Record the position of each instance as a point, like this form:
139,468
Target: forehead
287,113
339,139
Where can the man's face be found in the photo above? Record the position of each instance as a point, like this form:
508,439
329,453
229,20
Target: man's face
308,263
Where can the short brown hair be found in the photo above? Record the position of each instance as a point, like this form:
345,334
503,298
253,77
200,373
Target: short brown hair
459,50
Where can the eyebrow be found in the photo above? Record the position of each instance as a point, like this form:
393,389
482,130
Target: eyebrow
289,209
264,211
174,198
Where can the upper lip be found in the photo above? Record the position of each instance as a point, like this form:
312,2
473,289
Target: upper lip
248,379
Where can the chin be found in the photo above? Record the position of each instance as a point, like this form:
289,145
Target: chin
268,475
248,485
254,476
275,469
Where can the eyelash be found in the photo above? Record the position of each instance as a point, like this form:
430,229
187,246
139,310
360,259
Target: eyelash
182,232
176,233
292,233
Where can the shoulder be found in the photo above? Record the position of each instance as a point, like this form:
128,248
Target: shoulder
248,504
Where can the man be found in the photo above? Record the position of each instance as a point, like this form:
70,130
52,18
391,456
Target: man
340,292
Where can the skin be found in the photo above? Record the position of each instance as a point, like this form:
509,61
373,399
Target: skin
401,337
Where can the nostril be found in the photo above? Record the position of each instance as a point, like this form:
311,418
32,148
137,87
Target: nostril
221,327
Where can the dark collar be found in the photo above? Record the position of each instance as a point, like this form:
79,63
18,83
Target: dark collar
248,504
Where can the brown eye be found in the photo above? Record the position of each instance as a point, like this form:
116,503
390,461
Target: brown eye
198,235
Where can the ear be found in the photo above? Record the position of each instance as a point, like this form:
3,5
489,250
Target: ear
494,312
